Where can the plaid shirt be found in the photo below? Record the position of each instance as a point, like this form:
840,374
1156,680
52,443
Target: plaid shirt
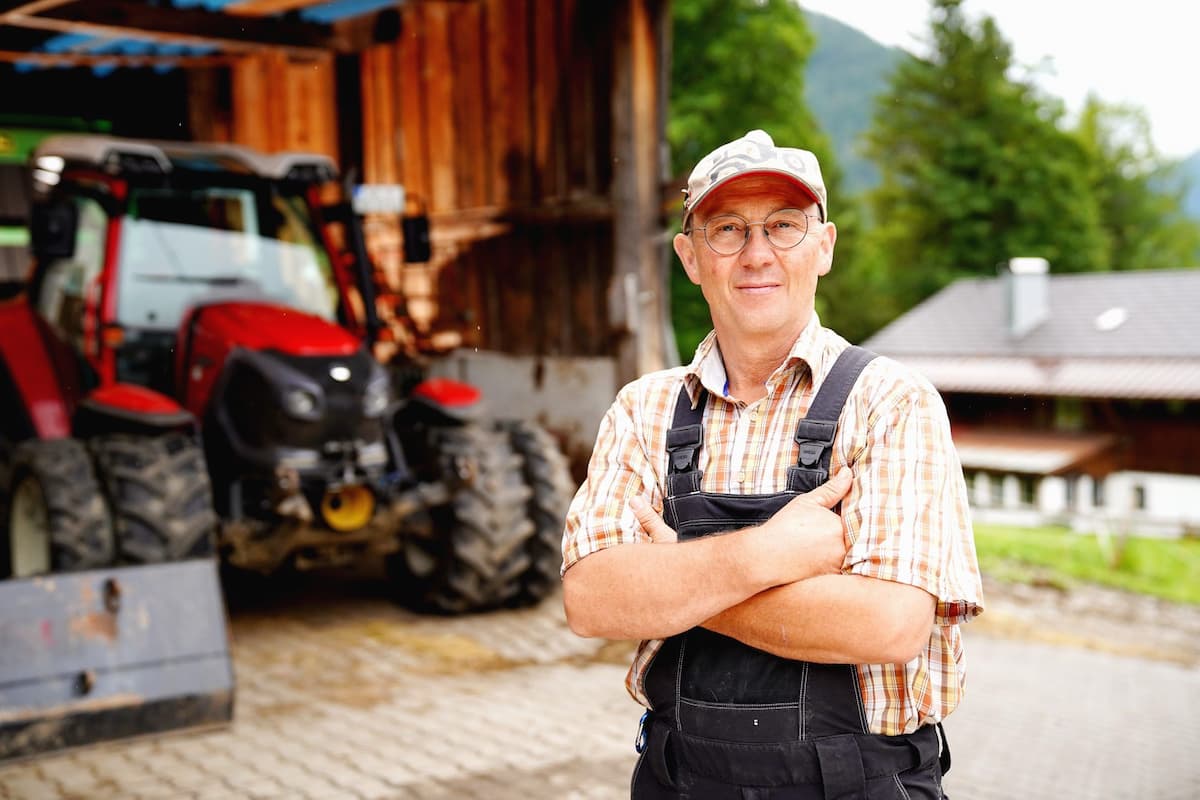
906,514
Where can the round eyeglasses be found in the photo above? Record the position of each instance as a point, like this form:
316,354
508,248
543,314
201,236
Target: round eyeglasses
727,234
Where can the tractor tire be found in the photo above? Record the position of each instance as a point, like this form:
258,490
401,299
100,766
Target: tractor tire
54,518
470,556
546,472
159,491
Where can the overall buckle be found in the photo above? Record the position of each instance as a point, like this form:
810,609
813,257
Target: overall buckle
639,741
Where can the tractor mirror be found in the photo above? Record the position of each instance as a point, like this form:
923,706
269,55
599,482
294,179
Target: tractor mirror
416,239
52,229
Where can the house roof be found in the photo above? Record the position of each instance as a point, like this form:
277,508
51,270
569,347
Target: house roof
1114,334
1041,453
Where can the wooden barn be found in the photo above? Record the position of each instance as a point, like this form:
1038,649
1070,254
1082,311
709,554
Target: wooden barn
530,132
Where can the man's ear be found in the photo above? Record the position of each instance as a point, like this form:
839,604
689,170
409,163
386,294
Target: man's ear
687,255
828,240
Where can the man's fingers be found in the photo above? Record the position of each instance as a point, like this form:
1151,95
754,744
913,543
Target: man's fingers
830,493
652,524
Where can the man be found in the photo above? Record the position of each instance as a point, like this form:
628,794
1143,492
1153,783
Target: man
790,650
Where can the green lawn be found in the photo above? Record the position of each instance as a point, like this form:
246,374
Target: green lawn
1164,568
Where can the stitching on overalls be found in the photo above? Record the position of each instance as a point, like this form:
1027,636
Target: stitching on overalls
803,701
900,785
862,712
679,683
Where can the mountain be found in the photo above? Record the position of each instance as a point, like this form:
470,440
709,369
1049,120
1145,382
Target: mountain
846,71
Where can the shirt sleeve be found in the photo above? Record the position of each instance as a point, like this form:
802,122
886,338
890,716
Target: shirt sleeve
907,517
619,470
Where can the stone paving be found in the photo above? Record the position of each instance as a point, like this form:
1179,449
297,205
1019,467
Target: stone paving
343,695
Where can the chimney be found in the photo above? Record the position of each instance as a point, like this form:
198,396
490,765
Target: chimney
1027,293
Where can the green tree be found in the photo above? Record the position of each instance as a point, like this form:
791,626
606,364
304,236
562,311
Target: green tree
1140,200
974,166
736,65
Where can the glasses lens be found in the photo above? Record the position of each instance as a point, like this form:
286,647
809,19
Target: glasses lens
786,227
726,234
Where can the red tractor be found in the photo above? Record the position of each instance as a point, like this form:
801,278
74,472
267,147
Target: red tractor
190,367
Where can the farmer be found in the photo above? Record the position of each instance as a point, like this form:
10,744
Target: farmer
783,523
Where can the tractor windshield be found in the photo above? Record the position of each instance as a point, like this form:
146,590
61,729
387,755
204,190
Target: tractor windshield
180,247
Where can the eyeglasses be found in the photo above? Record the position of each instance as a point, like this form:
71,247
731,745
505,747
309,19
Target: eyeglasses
727,234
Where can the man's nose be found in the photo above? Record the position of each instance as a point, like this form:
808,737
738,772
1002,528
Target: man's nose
758,247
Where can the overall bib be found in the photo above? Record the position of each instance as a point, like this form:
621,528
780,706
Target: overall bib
730,721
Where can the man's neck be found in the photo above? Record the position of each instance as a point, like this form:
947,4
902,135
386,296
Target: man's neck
748,364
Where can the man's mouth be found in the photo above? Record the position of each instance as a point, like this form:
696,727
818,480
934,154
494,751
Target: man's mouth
757,288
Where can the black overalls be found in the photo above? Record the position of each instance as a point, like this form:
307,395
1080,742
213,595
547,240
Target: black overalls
732,721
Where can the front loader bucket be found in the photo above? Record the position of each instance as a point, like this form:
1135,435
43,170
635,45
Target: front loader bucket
109,653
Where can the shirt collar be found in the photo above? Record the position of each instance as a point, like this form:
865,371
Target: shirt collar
707,368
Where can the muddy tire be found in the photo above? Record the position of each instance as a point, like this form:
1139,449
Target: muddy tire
545,471
158,489
53,516
467,555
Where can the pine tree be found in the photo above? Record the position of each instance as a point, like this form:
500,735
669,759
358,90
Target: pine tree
975,168
1139,197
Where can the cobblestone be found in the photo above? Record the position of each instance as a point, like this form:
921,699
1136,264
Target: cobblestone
347,697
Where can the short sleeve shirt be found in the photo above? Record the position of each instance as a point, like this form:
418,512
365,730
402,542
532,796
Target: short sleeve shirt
906,515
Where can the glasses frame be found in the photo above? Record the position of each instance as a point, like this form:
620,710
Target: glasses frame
750,224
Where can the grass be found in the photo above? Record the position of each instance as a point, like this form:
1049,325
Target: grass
1166,568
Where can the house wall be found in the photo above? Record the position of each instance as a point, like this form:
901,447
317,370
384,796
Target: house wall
1169,506
1154,435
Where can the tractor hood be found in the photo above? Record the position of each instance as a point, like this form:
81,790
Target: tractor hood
266,326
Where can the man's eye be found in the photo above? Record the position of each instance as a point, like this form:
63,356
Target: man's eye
782,225
729,227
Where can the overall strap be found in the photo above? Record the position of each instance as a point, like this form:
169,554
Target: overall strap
814,434
684,440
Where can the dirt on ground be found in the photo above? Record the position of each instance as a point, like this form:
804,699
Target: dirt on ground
1092,616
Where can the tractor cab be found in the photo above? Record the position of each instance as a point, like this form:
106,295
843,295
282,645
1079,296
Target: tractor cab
154,231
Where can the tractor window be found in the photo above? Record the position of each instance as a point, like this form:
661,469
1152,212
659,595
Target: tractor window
182,247
68,281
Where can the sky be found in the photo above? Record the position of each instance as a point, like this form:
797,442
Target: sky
1144,53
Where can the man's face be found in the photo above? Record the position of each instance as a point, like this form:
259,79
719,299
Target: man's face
760,294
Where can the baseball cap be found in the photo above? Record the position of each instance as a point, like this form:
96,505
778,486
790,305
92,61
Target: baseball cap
753,153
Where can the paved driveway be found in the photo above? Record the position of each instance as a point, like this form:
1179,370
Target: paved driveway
343,695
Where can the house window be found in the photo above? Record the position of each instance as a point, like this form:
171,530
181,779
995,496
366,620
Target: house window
1139,498
1098,492
1071,486
996,491
1027,485
1068,414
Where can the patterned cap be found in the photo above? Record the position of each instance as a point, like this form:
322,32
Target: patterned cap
755,152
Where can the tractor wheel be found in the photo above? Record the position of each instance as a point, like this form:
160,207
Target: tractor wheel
471,555
160,495
545,471
56,519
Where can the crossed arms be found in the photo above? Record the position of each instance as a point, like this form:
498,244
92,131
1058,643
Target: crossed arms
777,586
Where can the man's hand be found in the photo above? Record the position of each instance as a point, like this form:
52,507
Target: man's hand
653,528
806,533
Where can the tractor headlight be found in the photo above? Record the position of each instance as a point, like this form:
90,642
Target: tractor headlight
376,398
300,403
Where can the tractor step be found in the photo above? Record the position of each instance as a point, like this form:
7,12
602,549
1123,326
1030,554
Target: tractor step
111,653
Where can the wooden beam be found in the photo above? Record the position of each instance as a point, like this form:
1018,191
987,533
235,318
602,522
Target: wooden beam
134,20
265,8
25,7
94,60
638,308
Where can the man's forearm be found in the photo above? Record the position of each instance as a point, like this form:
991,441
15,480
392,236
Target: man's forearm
651,591
833,619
